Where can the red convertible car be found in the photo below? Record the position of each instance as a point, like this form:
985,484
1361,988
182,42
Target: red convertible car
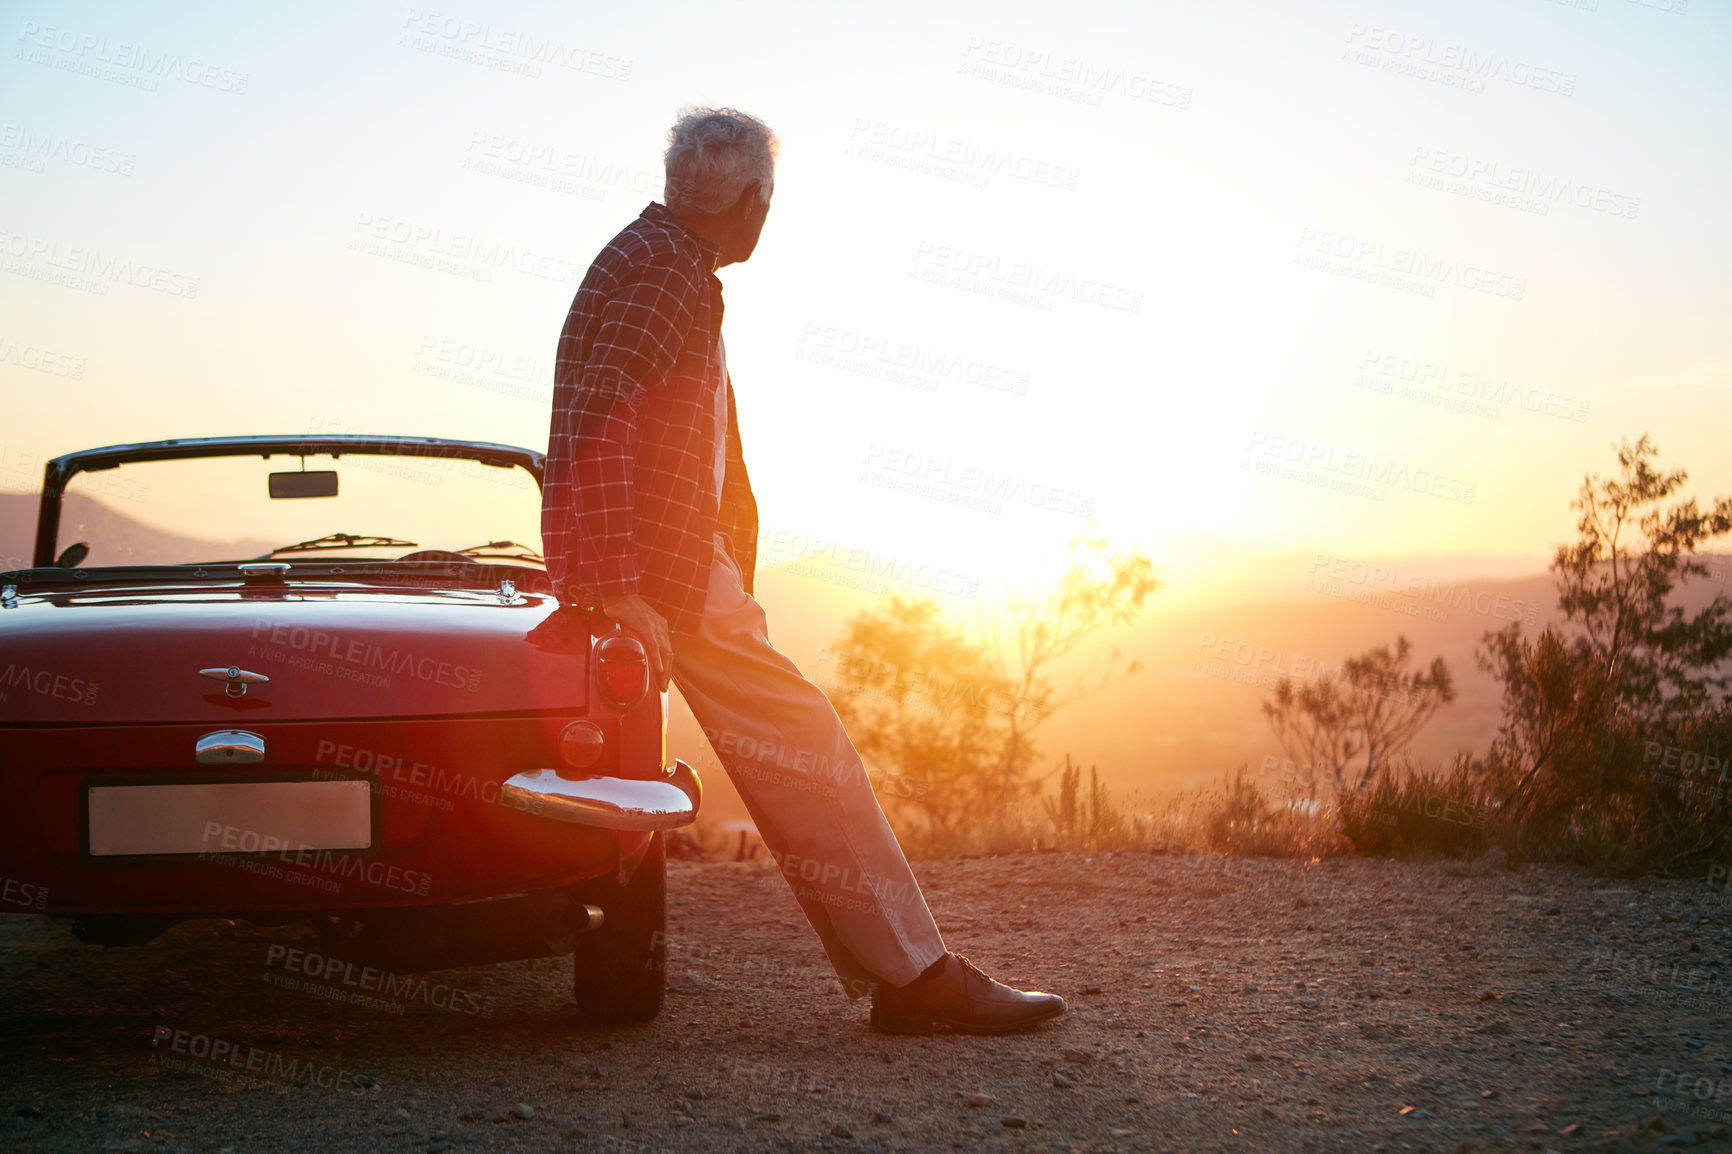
315,679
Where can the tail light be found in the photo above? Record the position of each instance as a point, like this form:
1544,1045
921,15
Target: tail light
581,745
622,668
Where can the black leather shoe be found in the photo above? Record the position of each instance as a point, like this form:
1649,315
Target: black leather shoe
959,998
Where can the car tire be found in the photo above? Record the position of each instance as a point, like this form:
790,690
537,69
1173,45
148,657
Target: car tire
620,970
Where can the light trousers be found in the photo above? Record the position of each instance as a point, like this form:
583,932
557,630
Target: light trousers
806,788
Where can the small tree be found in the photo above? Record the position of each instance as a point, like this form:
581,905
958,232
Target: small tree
947,715
1098,590
1581,704
1352,722
918,697
1615,580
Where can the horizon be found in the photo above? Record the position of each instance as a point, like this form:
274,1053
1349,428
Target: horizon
1208,662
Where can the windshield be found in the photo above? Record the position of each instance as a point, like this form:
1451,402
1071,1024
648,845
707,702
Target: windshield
297,508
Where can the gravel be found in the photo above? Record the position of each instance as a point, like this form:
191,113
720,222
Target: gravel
1251,1006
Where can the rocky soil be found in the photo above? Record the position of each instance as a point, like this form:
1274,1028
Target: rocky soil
1217,1005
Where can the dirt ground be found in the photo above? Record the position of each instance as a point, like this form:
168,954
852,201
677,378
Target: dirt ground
1217,1005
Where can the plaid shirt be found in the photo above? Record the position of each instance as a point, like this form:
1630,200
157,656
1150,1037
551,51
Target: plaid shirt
628,499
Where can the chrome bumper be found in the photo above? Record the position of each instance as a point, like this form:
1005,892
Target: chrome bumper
610,802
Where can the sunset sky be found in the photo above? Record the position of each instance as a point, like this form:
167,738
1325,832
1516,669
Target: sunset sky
1355,278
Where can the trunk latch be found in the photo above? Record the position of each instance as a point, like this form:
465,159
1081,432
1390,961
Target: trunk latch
237,678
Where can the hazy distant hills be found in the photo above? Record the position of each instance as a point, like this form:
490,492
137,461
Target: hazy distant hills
116,539
1211,646
1193,711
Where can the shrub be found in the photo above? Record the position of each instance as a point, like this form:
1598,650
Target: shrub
1447,813
1241,820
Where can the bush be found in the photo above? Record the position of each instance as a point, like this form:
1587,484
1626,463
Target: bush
1092,821
1447,813
1635,799
1240,820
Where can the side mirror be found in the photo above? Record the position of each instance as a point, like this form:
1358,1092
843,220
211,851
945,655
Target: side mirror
73,555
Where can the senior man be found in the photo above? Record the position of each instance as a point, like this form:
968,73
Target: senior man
649,516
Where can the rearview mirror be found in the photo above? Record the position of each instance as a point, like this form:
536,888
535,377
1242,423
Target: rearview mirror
319,483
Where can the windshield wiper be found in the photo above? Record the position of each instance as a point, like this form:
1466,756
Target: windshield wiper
340,541
490,550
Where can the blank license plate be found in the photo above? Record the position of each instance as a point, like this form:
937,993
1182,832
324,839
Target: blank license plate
229,817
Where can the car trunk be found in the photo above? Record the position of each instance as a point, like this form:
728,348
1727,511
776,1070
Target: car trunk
388,722
134,655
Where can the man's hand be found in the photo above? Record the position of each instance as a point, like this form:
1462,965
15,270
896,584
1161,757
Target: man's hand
633,612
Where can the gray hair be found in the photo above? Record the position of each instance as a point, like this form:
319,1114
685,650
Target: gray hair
713,153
